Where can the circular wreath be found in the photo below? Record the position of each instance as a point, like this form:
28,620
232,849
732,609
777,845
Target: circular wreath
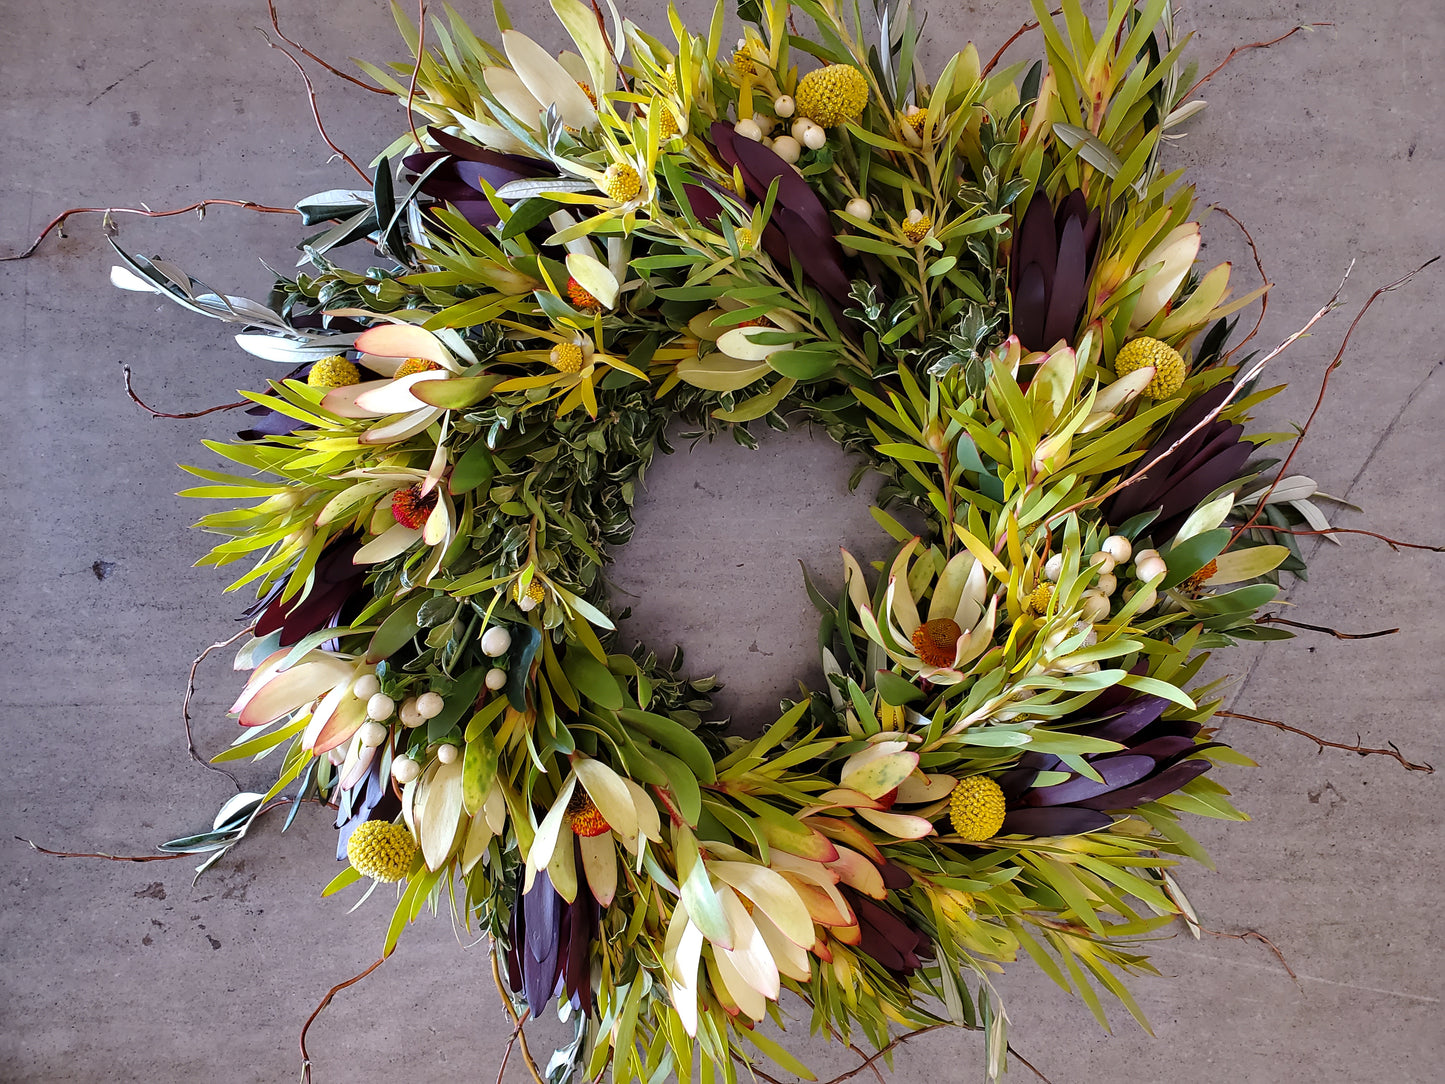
985,287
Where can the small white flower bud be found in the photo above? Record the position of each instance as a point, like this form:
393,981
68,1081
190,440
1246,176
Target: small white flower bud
372,734
1150,568
1054,568
1150,597
787,148
1095,607
496,679
365,687
1107,584
1144,555
430,705
495,641
404,769
800,128
1117,547
764,122
380,706
446,753
784,106
814,138
1103,562
409,714
748,129
859,208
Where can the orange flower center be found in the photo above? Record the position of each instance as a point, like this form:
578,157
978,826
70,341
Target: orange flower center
411,366
936,641
580,298
584,816
410,508
1198,580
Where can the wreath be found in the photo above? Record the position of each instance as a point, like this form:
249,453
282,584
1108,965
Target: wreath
985,286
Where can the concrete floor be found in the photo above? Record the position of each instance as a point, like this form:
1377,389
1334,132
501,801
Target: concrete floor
1329,147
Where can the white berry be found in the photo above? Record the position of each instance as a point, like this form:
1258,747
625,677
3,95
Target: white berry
380,706
365,687
800,128
859,208
496,679
1107,584
372,734
1117,547
446,753
1149,597
784,106
409,714
1103,562
430,705
748,129
404,769
1144,555
814,138
787,148
1151,568
1095,607
495,641
1054,568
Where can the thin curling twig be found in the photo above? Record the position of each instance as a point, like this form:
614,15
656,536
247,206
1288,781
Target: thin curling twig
1259,266
325,1001
1394,543
191,690
316,109
1245,48
1334,364
1020,32
154,413
271,7
518,1034
108,857
58,222
1324,743
416,71
1273,619
1255,935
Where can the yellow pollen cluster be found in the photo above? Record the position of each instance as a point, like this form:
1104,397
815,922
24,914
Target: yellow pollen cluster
743,62
745,237
666,123
916,118
621,182
832,95
976,808
584,816
381,850
412,366
567,357
535,591
588,91
1200,578
916,229
333,372
580,298
936,641
1039,599
1167,362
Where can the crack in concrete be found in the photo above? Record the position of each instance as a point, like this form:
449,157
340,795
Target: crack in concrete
119,81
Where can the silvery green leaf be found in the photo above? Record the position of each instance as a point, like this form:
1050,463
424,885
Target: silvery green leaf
289,351
516,191
332,204
1091,150
243,309
1183,113
124,278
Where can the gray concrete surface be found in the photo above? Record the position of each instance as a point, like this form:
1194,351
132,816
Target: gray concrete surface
1328,147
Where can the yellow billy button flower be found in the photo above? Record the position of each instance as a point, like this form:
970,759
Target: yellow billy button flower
381,850
583,816
916,226
1167,362
333,372
915,118
1038,602
745,239
411,366
567,357
666,123
580,298
743,62
532,597
936,641
976,808
621,182
832,95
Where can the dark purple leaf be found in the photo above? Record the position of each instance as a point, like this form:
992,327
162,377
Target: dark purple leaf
1038,242
1151,789
1055,820
1118,771
1070,288
1135,716
894,877
542,913
1165,747
1015,782
1031,307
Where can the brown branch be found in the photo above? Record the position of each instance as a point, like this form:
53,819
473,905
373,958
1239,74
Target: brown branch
1255,935
416,71
1020,32
1259,266
1394,543
58,222
1325,743
1245,48
1334,364
518,1035
325,1001
1271,619
154,413
191,685
271,6
108,857
315,109
612,51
